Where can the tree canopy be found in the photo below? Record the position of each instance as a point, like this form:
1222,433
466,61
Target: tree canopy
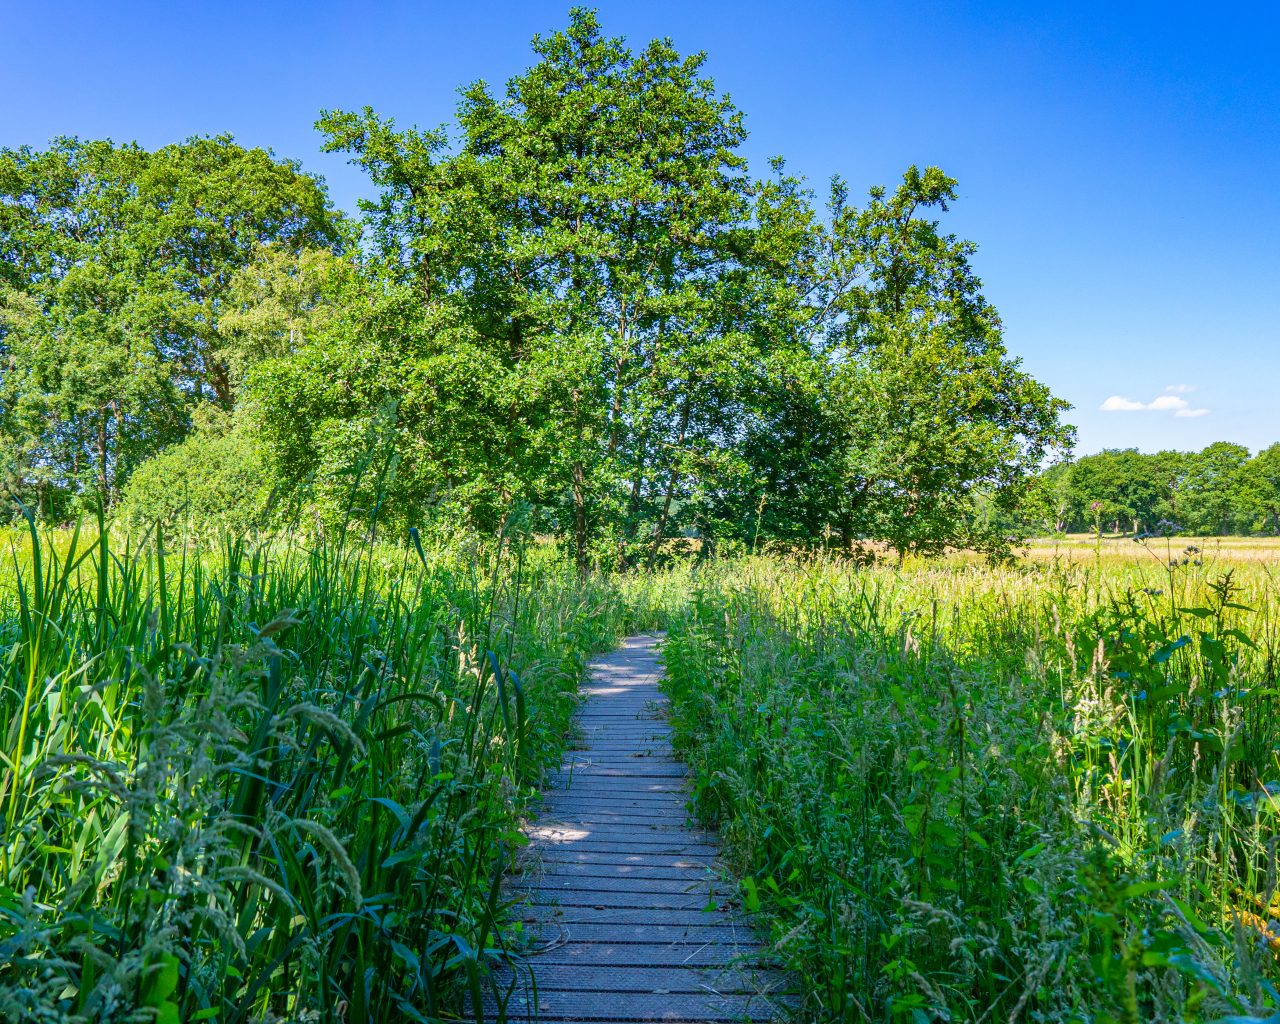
1220,490
115,265
576,299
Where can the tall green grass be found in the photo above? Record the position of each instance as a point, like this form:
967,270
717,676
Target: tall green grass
274,781
961,793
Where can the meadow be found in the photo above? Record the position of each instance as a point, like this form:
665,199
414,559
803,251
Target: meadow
282,779
1045,791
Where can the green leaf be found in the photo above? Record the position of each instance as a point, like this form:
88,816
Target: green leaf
161,980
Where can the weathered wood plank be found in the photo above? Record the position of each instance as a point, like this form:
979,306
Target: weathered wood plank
731,939
641,954
573,915
644,858
583,837
717,979
602,899
622,872
706,1008
587,784
630,915
700,889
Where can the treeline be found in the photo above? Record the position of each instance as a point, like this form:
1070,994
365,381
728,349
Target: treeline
1218,491
577,301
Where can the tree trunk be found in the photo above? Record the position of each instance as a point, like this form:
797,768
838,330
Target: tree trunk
219,377
580,517
660,528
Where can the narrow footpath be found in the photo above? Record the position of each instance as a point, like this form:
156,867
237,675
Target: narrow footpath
632,916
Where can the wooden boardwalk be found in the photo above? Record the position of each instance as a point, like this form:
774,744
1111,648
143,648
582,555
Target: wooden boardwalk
631,915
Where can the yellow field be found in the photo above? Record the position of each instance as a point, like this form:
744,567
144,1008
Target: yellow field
1077,547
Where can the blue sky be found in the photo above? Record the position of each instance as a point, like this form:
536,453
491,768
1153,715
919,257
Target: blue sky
1115,161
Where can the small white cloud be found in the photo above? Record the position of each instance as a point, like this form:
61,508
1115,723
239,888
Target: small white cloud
1118,404
1170,401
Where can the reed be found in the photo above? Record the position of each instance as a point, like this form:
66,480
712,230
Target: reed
272,780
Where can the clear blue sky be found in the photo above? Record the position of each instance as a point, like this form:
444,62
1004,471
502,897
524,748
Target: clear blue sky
1116,161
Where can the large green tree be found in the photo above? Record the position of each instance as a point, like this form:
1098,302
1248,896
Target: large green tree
1263,486
578,298
577,256
914,408
654,341
114,268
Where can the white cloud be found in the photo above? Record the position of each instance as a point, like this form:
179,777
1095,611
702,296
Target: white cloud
1118,404
1170,401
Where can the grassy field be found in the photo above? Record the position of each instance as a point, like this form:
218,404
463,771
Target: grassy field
1040,792
276,782
1082,547
280,781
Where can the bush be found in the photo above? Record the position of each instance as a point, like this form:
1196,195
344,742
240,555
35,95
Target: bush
216,476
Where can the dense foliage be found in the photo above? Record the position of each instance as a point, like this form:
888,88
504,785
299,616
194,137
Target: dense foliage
116,265
272,783
962,794
577,299
1220,490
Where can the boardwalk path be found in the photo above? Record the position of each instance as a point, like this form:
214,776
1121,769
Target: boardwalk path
618,882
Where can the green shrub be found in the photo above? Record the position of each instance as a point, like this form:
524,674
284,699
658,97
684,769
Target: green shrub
216,477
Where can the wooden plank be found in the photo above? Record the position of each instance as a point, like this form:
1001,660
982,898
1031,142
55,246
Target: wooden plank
605,849
590,818
733,939
587,784
583,837
604,772
612,899
715,979
705,1008
614,857
631,791
572,801
615,884
585,952
559,874
621,787
648,916
591,886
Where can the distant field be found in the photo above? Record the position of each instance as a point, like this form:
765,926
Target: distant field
1082,546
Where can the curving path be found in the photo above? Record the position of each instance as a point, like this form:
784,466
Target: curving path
632,917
